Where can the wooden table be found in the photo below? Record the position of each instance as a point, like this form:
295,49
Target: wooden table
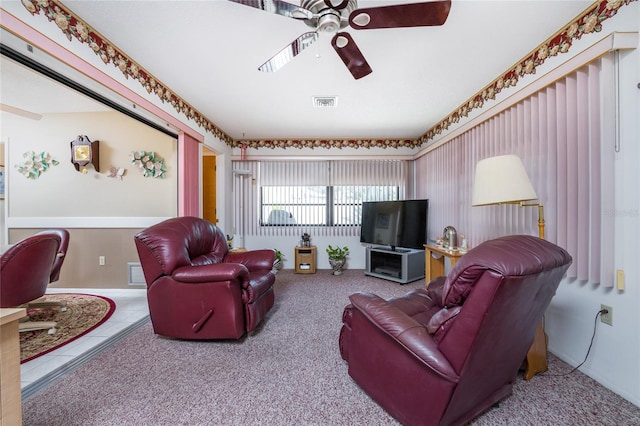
10,396
536,360
305,260
434,266
238,250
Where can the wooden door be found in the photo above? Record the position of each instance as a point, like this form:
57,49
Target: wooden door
209,188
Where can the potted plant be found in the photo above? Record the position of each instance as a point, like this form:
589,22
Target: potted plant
278,261
337,258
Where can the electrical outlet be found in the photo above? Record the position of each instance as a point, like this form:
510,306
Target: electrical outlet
101,261
608,317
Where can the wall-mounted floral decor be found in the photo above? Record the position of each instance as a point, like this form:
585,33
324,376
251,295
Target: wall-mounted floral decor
36,164
117,172
149,163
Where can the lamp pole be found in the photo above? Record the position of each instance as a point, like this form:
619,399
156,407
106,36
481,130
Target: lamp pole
540,217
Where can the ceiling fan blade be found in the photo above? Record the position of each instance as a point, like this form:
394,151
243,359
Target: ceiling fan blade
279,8
401,15
21,112
292,50
351,55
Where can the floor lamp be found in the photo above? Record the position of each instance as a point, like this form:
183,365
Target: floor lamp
503,180
240,215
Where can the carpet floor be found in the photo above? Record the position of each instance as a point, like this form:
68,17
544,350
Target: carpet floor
287,372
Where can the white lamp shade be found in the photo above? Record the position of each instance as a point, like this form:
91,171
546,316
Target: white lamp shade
501,179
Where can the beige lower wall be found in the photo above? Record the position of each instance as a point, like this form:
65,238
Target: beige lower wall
81,268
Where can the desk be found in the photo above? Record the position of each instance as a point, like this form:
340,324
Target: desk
11,396
435,267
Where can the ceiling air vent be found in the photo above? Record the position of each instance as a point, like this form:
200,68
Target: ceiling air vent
325,101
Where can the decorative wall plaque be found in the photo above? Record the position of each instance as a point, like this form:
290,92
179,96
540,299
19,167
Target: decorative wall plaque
84,152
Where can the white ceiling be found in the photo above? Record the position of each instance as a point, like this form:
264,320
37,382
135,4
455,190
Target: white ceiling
33,93
208,52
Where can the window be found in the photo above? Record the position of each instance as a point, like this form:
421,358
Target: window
294,205
324,198
347,201
319,205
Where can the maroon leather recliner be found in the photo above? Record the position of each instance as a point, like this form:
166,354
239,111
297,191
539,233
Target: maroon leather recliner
444,354
25,269
62,251
65,237
196,289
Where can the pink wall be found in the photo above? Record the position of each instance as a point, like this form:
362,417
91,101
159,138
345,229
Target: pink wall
188,177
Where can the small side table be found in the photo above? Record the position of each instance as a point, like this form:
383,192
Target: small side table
435,267
238,250
305,258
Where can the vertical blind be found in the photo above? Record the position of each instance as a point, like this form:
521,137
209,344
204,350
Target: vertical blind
566,144
292,174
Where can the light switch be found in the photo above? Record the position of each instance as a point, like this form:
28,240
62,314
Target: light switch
620,279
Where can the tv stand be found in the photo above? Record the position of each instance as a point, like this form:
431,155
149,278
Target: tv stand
399,265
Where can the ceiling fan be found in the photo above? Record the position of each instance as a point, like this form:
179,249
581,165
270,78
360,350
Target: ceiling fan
331,16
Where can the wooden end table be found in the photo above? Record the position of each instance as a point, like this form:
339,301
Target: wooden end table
434,267
305,260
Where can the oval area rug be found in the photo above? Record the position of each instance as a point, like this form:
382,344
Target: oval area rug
84,313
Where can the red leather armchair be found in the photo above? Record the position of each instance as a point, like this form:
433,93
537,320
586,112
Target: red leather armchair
55,268
444,354
25,269
62,251
196,289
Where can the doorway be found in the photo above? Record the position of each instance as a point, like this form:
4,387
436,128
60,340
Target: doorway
209,186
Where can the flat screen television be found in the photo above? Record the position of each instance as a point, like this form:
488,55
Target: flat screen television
397,224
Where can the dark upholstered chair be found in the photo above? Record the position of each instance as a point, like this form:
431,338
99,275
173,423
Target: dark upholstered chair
196,289
56,268
444,354
25,272
62,251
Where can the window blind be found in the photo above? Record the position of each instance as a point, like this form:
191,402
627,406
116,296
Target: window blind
566,144
355,174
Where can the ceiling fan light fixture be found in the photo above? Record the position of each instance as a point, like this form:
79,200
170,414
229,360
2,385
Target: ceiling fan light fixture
329,23
325,101
332,16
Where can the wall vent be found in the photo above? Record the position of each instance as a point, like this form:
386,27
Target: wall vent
325,101
135,276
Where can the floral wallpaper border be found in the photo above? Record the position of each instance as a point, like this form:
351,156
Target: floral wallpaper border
589,22
73,27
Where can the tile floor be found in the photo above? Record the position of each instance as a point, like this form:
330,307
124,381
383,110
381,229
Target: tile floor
131,311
